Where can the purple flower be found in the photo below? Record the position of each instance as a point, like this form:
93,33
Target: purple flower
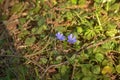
60,36
71,39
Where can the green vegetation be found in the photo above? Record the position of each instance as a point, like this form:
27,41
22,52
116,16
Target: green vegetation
29,49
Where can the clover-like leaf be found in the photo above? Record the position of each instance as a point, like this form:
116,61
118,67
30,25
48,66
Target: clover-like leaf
30,41
96,69
99,57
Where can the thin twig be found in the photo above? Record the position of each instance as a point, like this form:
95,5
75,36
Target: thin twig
73,71
42,77
11,56
34,62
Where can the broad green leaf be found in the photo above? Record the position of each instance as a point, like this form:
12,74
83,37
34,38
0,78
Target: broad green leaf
96,69
106,69
118,68
78,75
79,30
99,57
64,71
105,62
30,41
86,69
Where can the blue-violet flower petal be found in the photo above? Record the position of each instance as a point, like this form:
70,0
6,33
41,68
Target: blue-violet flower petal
71,39
60,36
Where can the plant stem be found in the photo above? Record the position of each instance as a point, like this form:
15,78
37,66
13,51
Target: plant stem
98,19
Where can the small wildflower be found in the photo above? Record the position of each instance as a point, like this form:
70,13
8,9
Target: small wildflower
60,36
71,39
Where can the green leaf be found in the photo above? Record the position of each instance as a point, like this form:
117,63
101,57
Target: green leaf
86,78
72,59
111,33
59,58
89,34
56,77
64,71
60,29
106,69
81,2
118,68
39,30
41,21
109,45
43,60
79,30
69,15
97,29
74,1
30,41
99,57
22,20
96,69
86,69
34,30
17,8
105,62
78,75
23,33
